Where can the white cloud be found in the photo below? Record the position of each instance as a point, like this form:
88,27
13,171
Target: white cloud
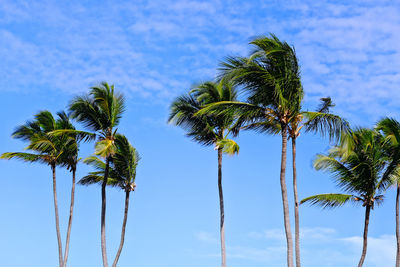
206,237
347,50
320,246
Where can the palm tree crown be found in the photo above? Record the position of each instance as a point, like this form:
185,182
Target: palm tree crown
123,166
359,165
206,129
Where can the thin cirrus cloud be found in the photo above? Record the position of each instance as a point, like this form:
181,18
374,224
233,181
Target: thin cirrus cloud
320,247
347,50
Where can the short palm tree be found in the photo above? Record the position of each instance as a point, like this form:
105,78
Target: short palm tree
122,174
47,149
270,77
359,166
208,129
320,121
100,111
391,130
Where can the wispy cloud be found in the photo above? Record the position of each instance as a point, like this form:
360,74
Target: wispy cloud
320,247
348,50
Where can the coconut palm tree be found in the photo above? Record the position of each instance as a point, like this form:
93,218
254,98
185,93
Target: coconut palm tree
100,111
320,121
391,130
47,149
69,159
122,174
208,129
270,77
359,166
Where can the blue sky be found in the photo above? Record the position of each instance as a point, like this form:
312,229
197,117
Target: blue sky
152,52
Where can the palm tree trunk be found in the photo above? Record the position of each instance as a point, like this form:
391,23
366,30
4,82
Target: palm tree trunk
296,205
103,214
285,203
60,257
397,227
121,244
71,211
221,209
364,250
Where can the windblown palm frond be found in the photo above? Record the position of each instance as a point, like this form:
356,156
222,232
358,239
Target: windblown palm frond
328,200
27,157
228,146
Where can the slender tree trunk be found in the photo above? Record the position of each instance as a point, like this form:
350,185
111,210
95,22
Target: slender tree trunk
364,250
397,227
60,256
221,209
103,213
296,205
285,203
71,211
121,244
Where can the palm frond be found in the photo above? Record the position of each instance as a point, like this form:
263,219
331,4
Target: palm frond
328,200
326,124
228,146
27,157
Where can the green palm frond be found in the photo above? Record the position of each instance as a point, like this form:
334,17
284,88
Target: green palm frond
125,160
27,157
328,200
326,124
228,146
105,148
199,128
95,162
97,178
78,135
325,105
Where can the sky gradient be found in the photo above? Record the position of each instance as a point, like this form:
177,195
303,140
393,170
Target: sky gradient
153,51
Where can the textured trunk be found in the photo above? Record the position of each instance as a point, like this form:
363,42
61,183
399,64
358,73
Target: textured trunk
121,244
221,209
285,203
364,250
103,214
296,205
397,227
60,256
71,211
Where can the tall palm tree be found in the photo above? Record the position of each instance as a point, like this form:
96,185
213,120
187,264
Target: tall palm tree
69,159
320,121
391,130
359,167
47,149
122,174
208,130
100,111
270,77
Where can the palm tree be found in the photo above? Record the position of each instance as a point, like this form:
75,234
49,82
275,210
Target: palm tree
208,129
319,121
122,175
270,77
47,149
359,166
69,159
100,111
391,130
